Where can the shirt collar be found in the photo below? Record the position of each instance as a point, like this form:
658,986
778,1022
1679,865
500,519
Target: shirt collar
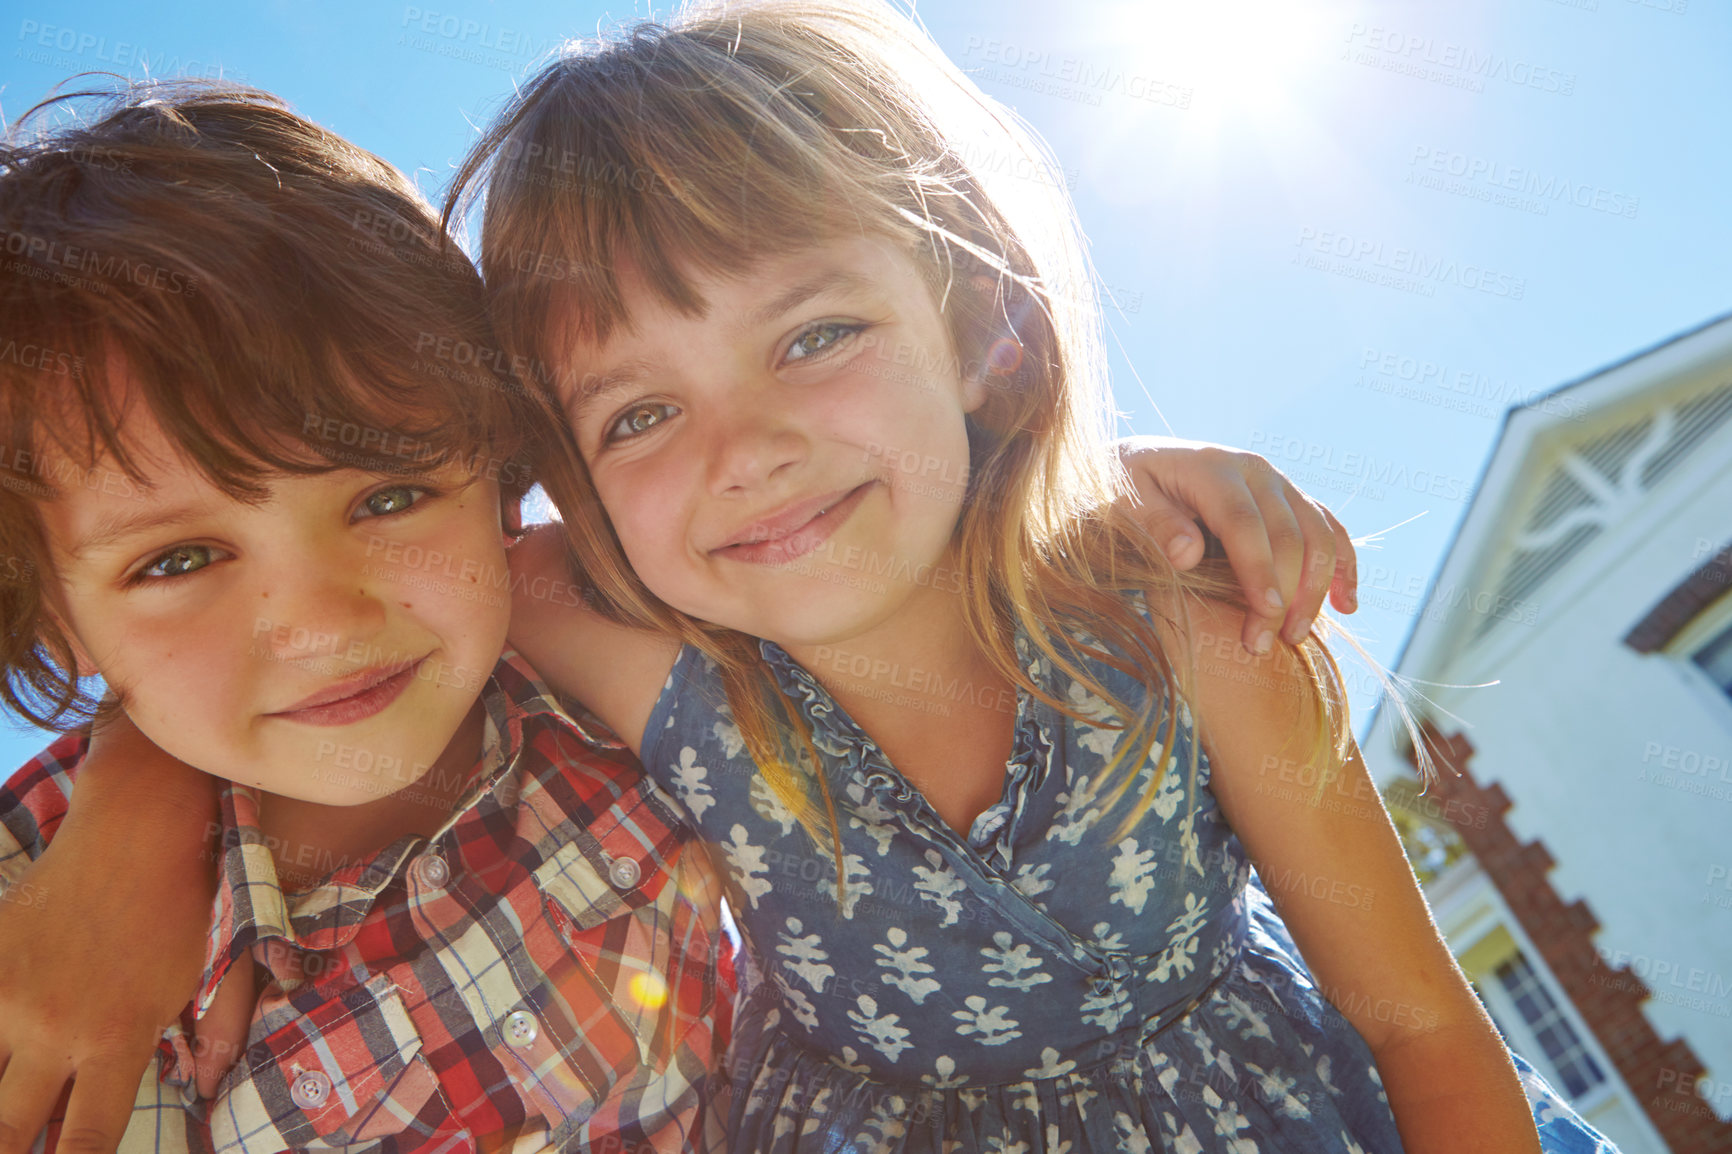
251,905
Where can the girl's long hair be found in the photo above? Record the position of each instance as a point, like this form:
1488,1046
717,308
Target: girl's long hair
766,126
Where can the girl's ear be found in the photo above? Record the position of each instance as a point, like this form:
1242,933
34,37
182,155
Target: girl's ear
980,305
974,386
996,370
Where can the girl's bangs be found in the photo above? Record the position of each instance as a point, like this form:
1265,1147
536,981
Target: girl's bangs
671,153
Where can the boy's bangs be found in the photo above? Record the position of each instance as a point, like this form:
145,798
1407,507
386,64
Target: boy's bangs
275,298
238,424
194,256
241,396
675,151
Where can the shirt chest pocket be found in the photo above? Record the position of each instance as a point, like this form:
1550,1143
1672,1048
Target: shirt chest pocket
345,1072
588,1019
610,981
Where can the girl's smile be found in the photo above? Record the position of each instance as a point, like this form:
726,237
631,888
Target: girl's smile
795,530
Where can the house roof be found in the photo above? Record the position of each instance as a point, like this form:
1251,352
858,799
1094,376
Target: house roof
1556,458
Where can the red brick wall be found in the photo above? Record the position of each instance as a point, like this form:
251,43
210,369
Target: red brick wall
1679,607
1662,1075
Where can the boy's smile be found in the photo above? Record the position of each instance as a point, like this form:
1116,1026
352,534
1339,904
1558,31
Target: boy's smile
354,698
751,456
268,642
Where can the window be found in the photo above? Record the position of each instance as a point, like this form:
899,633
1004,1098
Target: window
1715,658
1575,1067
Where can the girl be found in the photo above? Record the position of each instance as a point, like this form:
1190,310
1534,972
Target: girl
988,796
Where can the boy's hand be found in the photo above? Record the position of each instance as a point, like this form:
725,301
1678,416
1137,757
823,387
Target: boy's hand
1286,549
221,1035
91,975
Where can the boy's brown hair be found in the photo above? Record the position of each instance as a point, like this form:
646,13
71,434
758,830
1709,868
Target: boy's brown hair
280,300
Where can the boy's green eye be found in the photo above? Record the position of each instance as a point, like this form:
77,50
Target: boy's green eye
180,560
820,337
393,500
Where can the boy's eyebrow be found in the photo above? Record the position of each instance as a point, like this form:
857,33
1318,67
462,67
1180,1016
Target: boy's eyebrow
115,527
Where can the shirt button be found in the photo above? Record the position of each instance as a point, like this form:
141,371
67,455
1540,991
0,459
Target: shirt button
624,873
432,870
310,1089
520,1028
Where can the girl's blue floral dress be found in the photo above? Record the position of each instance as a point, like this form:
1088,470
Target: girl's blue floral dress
1037,985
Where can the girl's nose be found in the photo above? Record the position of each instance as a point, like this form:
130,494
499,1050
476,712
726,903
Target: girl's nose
750,445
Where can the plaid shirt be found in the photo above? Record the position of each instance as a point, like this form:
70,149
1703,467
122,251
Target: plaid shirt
549,969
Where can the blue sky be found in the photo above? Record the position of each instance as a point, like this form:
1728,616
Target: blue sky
1348,235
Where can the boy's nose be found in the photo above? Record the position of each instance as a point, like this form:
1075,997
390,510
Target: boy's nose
324,615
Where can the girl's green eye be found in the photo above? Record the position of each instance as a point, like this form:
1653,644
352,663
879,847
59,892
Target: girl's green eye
639,419
179,561
392,500
820,337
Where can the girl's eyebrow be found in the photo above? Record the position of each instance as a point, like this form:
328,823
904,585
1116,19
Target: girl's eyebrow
597,385
828,281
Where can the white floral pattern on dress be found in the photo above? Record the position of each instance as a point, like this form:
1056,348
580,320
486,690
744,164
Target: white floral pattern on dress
937,883
1132,877
1013,966
690,786
1046,983
804,957
909,966
990,1026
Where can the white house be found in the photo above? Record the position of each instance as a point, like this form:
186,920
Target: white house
1582,868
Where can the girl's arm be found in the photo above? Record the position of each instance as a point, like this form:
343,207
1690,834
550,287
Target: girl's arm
1368,938
91,975
616,672
1287,550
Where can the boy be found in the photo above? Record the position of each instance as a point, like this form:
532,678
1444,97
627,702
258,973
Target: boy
233,493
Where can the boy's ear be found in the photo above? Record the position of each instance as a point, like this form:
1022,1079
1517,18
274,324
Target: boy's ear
86,667
83,666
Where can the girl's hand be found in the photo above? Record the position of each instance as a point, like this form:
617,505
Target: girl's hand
92,975
1286,549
